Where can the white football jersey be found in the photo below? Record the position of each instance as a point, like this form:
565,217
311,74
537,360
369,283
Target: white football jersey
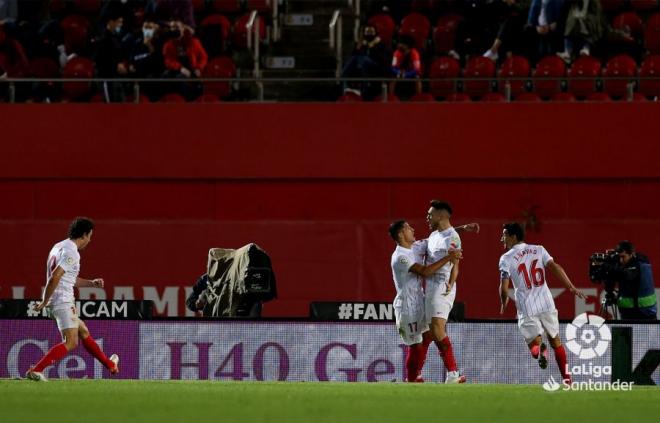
439,244
409,293
65,255
524,264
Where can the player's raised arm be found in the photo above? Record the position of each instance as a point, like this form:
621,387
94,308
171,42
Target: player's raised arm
86,283
559,272
50,287
470,227
426,271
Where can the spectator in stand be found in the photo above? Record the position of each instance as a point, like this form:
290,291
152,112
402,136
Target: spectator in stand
406,63
184,54
512,18
145,56
109,57
585,26
185,58
370,59
8,11
547,20
177,10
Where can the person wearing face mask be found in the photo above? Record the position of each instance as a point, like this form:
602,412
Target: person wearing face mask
110,59
370,59
145,58
184,54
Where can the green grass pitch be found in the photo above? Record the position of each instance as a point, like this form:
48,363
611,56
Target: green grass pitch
117,401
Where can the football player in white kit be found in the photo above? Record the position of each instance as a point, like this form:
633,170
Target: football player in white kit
525,266
62,270
441,286
407,265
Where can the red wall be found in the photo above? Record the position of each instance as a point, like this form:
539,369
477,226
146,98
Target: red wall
316,186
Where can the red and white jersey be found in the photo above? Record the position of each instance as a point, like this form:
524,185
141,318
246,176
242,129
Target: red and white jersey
439,244
65,255
409,293
524,264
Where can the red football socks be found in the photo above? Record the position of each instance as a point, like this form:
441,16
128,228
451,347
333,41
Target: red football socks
412,362
560,356
447,353
93,348
55,354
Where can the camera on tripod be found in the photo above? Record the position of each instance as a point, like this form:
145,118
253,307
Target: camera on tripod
602,268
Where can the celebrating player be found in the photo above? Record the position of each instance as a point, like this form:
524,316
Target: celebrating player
441,286
407,265
525,265
62,271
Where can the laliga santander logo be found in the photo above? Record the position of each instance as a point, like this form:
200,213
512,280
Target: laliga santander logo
594,339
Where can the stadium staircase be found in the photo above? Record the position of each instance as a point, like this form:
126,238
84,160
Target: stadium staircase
309,46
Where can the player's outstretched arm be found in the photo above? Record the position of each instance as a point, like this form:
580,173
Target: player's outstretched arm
470,227
559,272
50,287
426,271
87,283
504,294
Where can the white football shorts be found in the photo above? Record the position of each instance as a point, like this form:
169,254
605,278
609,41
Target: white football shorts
533,326
410,319
65,315
438,304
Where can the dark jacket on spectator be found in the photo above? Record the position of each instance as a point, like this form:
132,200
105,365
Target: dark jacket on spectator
147,62
553,12
108,55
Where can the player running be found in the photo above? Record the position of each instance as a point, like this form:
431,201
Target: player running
441,285
62,270
407,264
525,265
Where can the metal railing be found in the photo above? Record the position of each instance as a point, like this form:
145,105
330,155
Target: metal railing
335,28
355,4
137,87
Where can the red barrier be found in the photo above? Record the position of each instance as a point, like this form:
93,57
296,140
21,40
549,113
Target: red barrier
316,186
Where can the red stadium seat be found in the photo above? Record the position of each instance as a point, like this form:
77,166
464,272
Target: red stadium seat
444,68
219,20
639,97
78,67
225,6
422,98
650,69
652,34
259,5
493,98
219,67
240,31
418,27
644,5
514,67
172,98
76,32
629,21
459,98
142,99
87,7
478,67
56,6
596,97
563,98
444,34
583,67
529,97
208,98
619,66
44,67
385,26
547,76
350,97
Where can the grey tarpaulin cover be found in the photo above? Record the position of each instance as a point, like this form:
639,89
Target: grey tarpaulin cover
236,277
